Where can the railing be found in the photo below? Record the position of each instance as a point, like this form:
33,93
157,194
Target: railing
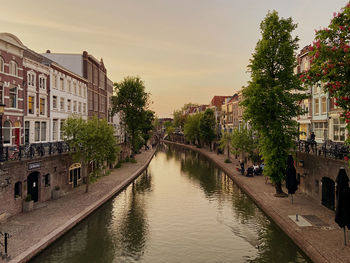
34,150
328,149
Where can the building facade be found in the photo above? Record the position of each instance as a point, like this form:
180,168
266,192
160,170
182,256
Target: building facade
88,67
12,88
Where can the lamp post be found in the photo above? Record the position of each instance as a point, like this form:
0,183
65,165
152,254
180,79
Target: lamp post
2,110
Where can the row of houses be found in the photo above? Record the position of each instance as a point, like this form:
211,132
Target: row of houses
322,117
39,92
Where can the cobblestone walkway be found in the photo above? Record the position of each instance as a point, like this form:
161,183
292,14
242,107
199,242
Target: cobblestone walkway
29,231
322,242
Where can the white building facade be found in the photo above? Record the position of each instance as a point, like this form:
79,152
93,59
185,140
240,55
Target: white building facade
68,97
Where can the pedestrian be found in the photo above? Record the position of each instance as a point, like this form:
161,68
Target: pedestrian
312,136
242,166
256,169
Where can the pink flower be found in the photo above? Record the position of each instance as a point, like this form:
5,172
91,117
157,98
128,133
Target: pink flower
311,48
334,48
341,28
346,158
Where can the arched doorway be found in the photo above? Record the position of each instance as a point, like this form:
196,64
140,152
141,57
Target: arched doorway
75,174
328,193
32,185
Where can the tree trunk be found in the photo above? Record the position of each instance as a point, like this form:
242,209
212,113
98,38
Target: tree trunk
228,152
279,191
86,172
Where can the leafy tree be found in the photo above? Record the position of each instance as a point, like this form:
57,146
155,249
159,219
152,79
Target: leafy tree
207,124
169,129
270,100
179,119
191,128
92,140
243,141
225,142
147,125
132,100
330,61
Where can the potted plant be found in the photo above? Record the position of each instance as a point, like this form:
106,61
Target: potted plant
56,192
28,203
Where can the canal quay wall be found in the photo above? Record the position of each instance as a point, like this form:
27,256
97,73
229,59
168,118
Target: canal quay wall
322,241
34,231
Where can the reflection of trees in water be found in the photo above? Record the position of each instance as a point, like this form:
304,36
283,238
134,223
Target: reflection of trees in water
276,247
84,242
131,225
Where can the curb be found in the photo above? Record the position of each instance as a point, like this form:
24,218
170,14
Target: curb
54,235
301,242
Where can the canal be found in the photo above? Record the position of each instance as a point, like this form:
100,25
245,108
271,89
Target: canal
183,209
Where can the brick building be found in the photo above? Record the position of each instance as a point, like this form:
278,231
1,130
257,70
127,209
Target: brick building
88,67
11,88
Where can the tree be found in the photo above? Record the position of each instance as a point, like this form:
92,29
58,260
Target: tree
207,124
147,125
225,142
270,100
191,128
330,61
243,141
92,140
169,129
132,100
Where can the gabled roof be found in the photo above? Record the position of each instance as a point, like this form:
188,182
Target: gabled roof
217,101
12,39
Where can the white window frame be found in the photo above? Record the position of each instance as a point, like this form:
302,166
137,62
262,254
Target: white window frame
31,78
10,106
31,95
53,104
44,112
13,67
2,65
42,82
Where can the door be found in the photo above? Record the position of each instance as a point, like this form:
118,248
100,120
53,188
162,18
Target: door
32,185
328,193
17,136
75,178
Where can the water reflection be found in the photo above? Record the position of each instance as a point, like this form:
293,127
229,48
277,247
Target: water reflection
184,209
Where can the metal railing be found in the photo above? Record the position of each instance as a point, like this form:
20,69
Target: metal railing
330,149
34,150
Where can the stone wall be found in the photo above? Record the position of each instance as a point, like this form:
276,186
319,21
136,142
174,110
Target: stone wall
54,168
312,169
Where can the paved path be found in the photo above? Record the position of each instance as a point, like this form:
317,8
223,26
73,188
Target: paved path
32,232
320,243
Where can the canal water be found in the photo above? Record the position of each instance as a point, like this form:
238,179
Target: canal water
183,209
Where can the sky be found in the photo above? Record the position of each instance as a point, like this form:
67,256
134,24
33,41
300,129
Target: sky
184,50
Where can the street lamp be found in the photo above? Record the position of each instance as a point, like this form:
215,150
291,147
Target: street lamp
2,110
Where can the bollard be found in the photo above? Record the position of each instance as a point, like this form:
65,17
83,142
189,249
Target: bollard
296,218
6,237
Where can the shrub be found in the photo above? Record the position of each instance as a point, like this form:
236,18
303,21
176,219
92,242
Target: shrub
28,198
227,161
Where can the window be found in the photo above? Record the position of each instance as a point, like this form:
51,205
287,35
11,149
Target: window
54,102
54,81
1,92
74,106
79,90
43,131
18,189
79,107
69,83
95,75
26,132
95,101
84,108
69,105
62,103
42,106
91,101
317,106
103,104
74,172
42,82
31,79
1,64
47,179
7,132
339,127
37,131
324,105
13,97
75,88
61,129
61,84
31,104
13,68
320,130
54,129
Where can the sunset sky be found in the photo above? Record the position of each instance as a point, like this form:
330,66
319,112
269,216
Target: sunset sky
184,50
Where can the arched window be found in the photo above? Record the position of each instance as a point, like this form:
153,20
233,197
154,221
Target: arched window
13,68
7,132
1,64
18,189
74,173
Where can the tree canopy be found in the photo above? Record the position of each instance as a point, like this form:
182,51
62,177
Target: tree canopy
192,129
92,140
207,125
270,100
132,100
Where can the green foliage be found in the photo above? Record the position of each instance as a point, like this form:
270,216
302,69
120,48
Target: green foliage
243,141
179,119
118,165
227,161
132,100
92,140
225,142
270,99
330,61
147,125
207,124
191,128
28,198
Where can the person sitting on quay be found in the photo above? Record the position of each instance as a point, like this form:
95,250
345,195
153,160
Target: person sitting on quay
250,171
241,163
256,169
